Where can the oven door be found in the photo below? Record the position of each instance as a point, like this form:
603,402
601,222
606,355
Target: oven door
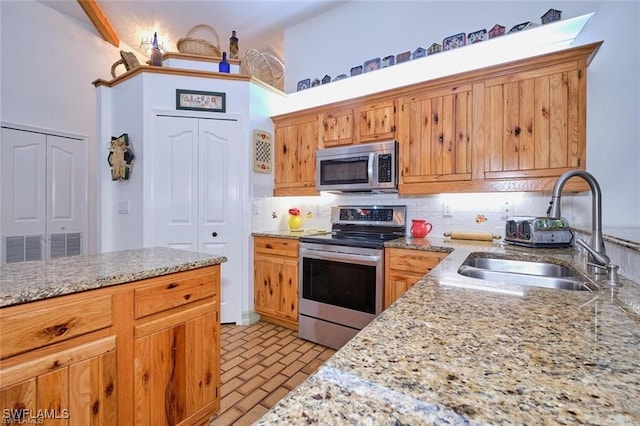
341,285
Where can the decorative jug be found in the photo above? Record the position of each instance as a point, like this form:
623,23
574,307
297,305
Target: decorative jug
295,219
420,228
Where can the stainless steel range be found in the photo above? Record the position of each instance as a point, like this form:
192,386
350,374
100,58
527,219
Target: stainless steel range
342,273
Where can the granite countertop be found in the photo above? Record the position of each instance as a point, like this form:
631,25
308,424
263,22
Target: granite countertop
290,234
35,280
624,236
456,352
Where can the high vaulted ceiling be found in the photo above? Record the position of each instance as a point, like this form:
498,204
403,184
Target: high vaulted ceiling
258,23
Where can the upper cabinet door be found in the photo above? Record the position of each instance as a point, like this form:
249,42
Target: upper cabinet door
296,141
336,128
376,121
535,122
435,136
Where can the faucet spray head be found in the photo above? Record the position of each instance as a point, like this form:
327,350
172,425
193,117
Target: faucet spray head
554,207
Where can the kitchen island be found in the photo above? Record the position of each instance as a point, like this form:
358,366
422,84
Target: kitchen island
36,280
121,338
458,351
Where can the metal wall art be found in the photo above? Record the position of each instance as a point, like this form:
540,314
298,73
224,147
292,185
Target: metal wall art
120,157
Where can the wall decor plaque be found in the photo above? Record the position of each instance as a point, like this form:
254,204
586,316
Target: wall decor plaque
196,100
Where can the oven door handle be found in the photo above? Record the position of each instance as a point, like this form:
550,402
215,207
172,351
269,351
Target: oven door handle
364,259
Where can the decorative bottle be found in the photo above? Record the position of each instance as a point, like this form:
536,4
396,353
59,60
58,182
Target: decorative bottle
223,66
156,55
233,46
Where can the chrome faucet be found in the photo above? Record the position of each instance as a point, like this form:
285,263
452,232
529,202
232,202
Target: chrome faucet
597,254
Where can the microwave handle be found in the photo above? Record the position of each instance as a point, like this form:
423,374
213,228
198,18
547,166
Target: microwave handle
372,168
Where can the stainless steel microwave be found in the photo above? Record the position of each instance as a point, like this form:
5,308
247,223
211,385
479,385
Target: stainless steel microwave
370,167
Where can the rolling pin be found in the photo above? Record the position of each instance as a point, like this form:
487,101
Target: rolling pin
476,236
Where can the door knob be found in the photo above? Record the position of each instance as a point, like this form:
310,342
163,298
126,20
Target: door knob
214,234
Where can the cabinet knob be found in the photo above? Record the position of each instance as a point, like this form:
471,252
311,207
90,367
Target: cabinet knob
214,234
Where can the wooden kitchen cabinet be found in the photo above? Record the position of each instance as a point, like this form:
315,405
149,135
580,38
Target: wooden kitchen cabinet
296,141
435,132
177,347
336,128
535,121
275,284
376,121
405,267
509,127
58,358
512,127
143,353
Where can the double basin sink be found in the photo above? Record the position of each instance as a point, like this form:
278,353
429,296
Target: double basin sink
525,272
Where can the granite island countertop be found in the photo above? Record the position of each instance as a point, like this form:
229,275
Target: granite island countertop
456,351
41,279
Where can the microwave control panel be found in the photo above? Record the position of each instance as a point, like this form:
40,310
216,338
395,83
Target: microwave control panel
385,168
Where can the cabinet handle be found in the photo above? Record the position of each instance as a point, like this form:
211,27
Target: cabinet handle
214,234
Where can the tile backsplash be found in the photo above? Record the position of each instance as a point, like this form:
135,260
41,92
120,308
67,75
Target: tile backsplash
478,212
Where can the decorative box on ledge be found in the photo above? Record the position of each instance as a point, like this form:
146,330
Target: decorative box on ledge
197,62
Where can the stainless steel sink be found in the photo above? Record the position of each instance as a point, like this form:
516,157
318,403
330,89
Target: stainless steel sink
524,272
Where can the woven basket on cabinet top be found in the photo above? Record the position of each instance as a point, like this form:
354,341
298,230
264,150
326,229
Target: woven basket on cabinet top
198,46
264,65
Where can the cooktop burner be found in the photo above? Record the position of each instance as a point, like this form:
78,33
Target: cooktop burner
363,226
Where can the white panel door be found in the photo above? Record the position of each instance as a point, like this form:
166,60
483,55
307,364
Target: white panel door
176,182
220,228
44,199
197,195
23,195
23,182
66,196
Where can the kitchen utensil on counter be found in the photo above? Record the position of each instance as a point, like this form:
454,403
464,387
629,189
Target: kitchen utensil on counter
420,228
532,231
474,236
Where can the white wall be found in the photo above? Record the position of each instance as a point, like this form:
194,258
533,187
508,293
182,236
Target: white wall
348,35
48,62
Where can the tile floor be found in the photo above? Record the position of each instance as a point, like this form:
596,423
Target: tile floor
260,364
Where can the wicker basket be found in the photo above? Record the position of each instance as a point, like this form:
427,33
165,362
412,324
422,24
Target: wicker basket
198,46
264,65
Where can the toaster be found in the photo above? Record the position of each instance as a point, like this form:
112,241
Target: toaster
530,231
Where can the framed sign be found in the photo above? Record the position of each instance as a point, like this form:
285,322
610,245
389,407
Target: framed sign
200,101
262,147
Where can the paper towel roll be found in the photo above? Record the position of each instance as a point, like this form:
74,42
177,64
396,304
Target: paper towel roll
476,236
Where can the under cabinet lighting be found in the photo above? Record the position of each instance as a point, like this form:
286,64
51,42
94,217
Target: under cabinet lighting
509,47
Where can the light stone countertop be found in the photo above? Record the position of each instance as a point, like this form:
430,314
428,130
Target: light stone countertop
451,351
294,235
36,280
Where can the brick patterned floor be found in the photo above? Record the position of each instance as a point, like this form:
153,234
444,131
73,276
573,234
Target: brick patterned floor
260,364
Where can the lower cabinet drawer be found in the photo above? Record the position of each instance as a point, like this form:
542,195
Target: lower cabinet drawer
276,246
174,290
413,260
38,324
